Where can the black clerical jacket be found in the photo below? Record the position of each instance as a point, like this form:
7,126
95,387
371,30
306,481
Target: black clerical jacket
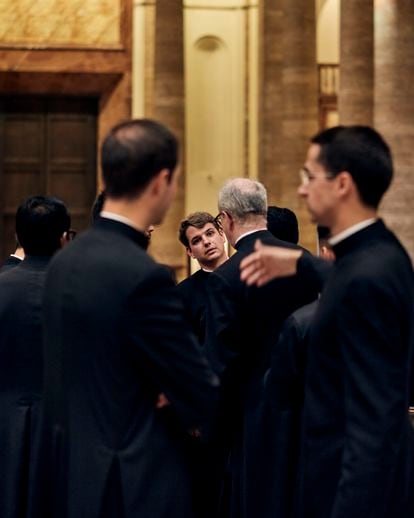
358,443
243,324
115,339
21,370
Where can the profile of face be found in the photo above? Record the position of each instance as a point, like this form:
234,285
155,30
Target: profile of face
318,189
166,191
206,245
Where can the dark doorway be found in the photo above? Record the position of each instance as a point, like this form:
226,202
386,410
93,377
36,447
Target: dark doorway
47,146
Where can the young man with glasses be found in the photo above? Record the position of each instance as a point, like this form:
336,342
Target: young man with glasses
358,443
42,223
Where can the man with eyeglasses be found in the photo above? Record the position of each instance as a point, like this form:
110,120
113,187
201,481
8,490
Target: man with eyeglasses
41,226
242,325
358,445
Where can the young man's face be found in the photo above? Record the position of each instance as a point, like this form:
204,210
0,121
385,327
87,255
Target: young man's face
206,244
318,189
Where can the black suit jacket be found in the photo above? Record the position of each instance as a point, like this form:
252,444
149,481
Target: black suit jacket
21,370
358,443
242,325
115,339
10,263
193,292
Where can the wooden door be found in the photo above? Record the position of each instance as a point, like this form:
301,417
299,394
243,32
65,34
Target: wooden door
47,147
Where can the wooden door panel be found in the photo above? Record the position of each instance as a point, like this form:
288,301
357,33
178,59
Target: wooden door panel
48,147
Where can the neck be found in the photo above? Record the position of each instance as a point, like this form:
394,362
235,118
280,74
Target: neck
129,209
239,230
351,218
215,264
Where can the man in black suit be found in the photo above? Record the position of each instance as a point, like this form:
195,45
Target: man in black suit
358,443
204,241
41,224
242,325
116,339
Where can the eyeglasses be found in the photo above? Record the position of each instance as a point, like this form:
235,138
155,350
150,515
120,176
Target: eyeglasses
70,234
306,176
218,220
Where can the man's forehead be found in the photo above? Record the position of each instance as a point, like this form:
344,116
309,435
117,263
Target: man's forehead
193,232
313,153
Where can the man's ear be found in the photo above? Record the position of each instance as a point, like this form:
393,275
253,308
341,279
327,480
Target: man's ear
345,183
189,253
159,181
64,239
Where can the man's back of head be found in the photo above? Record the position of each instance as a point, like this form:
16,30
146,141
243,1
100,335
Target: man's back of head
133,153
283,224
41,222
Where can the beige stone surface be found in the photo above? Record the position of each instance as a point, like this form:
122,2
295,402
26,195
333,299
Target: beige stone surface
356,91
394,108
288,102
60,23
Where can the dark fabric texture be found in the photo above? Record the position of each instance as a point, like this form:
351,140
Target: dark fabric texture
116,338
285,385
10,263
21,370
243,324
193,292
358,443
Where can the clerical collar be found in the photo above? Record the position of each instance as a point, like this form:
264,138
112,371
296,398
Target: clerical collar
117,217
248,234
351,230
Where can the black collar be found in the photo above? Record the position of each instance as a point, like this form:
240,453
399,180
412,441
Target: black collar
112,225
360,238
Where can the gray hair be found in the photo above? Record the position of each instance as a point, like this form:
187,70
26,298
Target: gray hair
242,197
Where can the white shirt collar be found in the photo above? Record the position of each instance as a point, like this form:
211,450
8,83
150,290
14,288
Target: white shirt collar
248,234
117,217
351,230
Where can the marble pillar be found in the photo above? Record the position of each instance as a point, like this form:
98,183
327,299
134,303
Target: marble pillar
394,108
288,96
356,91
159,94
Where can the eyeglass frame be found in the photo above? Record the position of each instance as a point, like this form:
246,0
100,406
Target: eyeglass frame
307,176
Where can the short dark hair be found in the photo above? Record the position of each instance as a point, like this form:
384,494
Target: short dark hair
197,220
283,224
40,224
362,152
133,153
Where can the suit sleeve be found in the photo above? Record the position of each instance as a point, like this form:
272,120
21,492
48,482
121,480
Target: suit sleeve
314,271
374,357
168,351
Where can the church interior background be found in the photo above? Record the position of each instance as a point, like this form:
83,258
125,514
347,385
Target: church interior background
243,83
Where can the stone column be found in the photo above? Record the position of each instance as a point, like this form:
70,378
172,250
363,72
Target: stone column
159,92
289,102
394,108
356,91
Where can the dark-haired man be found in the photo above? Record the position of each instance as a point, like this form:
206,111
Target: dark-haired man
41,226
204,241
116,339
283,224
358,442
